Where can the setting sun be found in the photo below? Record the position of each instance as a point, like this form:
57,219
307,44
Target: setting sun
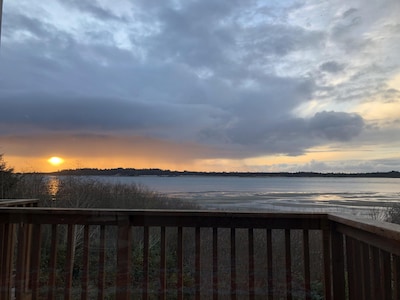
55,161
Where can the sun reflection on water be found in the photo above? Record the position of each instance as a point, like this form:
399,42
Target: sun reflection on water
53,186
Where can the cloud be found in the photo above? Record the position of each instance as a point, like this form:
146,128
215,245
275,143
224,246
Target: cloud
337,126
331,67
224,75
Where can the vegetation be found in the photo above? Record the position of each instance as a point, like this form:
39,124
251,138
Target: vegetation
82,192
8,180
393,213
159,172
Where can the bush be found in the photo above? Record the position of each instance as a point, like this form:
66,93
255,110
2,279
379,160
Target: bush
8,180
88,193
393,213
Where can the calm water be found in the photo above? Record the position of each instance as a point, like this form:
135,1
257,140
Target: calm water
360,196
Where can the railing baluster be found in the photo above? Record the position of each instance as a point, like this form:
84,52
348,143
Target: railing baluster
52,263
270,273
27,254
85,263
358,269
306,257
163,265
251,262
338,266
215,262
21,262
233,264
123,285
101,264
376,273
69,263
180,264
8,258
2,255
366,273
197,262
35,259
386,275
326,248
396,276
288,262
353,273
145,292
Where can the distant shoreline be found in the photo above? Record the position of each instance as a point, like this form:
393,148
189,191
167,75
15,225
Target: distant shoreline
169,173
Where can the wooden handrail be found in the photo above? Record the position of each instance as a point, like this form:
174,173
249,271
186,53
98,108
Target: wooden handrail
18,202
181,253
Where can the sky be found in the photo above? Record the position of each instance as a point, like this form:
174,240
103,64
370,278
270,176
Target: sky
201,85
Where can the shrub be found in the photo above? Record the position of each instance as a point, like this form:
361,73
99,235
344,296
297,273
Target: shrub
8,180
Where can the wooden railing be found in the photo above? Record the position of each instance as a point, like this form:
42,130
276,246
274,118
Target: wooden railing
131,254
19,202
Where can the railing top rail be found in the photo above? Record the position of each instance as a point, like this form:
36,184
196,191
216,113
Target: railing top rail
15,202
184,218
380,228
169,212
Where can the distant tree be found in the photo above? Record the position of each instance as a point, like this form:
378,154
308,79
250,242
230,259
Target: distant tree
8,180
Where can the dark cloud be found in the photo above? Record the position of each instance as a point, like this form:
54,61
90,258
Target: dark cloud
331,67
217,73
338,126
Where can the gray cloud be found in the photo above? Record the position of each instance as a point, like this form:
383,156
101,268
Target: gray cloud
337,126
331,67
217,73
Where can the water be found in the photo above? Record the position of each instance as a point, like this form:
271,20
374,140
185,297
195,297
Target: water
359,196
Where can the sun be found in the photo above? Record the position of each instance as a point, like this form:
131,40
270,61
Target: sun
55,161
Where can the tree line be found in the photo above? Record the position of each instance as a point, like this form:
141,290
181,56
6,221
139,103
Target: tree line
160,172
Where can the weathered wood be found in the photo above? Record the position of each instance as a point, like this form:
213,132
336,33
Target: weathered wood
69,261
163,267
338,266
371,251
146,247
306,262
85,264
180,264
376,274
366,271
157,218
215,262
35,259
18,202
21,263
233,264
396,277
123,285
52,263
270,274
288,263
326,251
386,277
351,269
101,264
251,263
197,263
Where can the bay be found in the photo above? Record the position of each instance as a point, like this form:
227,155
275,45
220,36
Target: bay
359,196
